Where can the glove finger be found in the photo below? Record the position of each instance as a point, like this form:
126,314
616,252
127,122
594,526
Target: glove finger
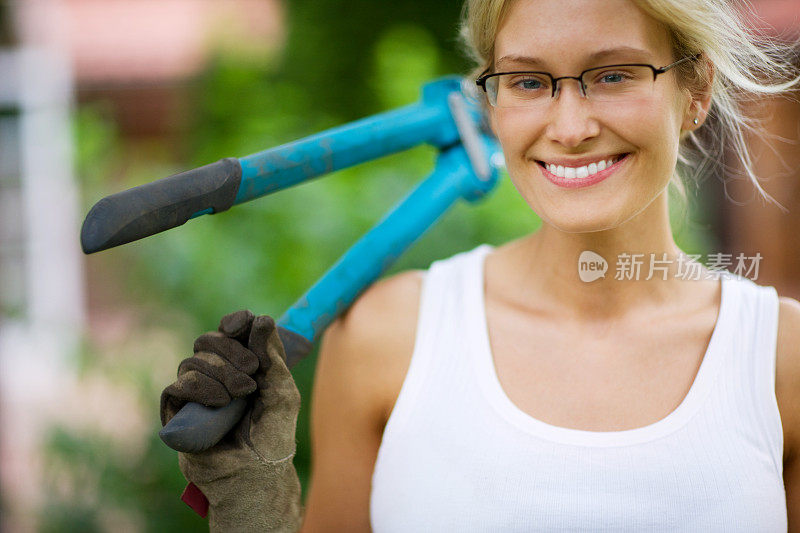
192,386
280,390
263,327
236,382
229,349
170,405
276,379
237,325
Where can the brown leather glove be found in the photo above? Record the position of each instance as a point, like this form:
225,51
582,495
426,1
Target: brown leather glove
248,477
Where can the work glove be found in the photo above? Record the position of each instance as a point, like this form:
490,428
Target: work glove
248,477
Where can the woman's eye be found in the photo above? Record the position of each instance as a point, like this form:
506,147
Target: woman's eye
527,84
614,77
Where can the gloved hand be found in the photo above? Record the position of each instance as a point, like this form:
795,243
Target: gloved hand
248,477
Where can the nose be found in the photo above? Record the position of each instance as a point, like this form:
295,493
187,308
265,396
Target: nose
570,120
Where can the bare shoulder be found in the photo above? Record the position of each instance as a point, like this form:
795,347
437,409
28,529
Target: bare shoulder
376,335
787,380
384,311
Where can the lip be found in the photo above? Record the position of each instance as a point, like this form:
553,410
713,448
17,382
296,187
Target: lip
583,161
575,183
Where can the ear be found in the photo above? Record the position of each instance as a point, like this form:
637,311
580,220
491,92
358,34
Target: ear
700,102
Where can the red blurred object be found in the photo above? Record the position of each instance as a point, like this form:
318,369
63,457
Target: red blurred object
194,498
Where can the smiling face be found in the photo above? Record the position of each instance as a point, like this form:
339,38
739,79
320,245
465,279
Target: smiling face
573,131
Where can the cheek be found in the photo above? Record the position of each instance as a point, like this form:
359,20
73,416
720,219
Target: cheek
662,139
516,130
665,120
651,130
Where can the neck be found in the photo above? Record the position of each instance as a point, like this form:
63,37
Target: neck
549,273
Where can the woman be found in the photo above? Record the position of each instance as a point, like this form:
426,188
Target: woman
498,390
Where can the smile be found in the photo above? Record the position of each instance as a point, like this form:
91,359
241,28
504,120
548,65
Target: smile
584,175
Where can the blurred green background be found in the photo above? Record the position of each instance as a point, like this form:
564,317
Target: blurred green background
342,60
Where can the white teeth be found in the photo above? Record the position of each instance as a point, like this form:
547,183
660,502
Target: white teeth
580,172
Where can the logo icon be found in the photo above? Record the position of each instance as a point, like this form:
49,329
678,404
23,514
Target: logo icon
591,266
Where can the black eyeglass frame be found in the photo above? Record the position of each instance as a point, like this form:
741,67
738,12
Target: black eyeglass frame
555,86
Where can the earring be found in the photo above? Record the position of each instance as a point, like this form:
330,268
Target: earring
696,122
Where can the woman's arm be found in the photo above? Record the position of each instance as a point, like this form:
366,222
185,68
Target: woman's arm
362,362
787,390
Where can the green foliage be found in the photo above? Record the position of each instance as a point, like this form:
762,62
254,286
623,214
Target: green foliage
97,148
129,481
106,486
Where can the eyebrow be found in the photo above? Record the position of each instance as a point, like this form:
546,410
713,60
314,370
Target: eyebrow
601,54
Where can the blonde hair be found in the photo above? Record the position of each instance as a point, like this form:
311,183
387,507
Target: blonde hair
746,68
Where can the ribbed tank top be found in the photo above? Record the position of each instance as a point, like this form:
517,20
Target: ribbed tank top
457,455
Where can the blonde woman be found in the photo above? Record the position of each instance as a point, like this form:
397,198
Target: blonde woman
500,391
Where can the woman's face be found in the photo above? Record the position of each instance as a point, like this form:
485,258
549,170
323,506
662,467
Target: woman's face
563,34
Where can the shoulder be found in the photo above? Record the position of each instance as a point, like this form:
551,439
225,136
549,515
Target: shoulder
372,342
787,371
384,298
383,316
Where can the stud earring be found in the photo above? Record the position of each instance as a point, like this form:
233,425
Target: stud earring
696,122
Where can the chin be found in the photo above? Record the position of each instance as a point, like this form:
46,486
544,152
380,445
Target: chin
591,223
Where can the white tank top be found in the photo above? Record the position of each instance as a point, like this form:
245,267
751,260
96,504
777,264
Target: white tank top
457,455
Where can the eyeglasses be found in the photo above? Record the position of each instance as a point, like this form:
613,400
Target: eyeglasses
611,83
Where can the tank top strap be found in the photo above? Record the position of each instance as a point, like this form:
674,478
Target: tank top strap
752,373
443,296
